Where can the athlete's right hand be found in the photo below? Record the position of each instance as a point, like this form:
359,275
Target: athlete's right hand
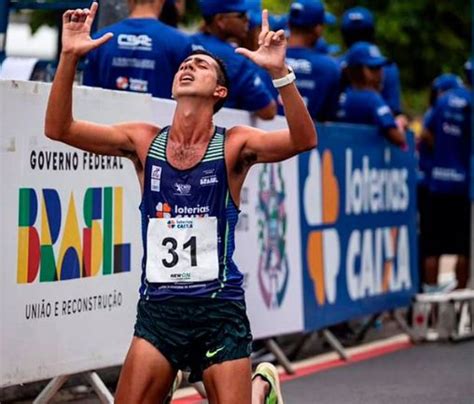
76,38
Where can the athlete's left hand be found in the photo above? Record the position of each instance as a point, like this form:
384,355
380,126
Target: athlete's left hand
272,49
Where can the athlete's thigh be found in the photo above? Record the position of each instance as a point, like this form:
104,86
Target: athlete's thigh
146,375
229,382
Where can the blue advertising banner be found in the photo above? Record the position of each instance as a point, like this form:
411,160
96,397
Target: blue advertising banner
358,225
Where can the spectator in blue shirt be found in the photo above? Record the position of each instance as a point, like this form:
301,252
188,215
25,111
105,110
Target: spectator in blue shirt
223,21
317,75
358,25
440,85
361,102
143,56
448,129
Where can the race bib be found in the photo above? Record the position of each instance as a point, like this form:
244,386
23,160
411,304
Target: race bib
182,250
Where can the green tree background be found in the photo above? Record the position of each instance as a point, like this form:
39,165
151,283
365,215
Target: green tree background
425,37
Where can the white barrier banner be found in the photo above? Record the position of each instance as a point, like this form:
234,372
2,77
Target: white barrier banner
71,243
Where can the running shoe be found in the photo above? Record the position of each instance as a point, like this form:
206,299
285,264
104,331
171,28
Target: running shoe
269,373
176,383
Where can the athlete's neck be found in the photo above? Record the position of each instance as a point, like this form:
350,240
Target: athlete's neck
192,122
146,11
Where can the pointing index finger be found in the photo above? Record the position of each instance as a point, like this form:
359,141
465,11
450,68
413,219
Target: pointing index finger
93,10
265,24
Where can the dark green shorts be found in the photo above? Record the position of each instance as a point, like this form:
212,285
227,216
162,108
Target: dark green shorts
194,334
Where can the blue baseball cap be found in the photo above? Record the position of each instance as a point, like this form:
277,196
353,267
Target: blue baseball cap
254,5
357,18
365,54
446,81
306,13
213,7
276,21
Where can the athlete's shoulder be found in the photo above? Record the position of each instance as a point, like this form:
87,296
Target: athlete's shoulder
240,133
139,131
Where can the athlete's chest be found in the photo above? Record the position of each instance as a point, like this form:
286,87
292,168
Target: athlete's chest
185,157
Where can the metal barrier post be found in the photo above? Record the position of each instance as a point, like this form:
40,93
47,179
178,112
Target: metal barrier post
99,387
46,395
274,348
51,389
334,342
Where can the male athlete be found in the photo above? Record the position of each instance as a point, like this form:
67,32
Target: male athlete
191,314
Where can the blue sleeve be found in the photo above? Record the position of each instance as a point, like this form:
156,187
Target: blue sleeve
391,88
250,91
383,115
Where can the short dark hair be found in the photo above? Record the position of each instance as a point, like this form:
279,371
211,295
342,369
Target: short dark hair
222,76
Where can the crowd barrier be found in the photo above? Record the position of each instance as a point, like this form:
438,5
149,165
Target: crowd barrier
322,238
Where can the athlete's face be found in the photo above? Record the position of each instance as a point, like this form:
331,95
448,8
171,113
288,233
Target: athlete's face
197,76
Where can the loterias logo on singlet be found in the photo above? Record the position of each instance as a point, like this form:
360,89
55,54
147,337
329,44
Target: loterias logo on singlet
165,210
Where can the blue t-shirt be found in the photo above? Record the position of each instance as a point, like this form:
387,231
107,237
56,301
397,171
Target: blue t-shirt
317,79
247,89
391,87
450,123
143,56
425,156
365,107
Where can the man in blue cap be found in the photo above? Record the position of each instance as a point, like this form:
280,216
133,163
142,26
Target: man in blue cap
358,24
361,102
439,86
317,75
226,20
143,56
448,130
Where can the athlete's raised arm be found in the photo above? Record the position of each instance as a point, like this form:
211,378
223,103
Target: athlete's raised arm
301,132
60,123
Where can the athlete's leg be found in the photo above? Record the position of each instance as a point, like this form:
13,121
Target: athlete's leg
229,382
260,390
146,375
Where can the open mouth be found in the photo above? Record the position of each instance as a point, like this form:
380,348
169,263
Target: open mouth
187,78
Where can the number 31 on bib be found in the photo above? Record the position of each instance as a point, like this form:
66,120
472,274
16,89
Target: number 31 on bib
182,250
